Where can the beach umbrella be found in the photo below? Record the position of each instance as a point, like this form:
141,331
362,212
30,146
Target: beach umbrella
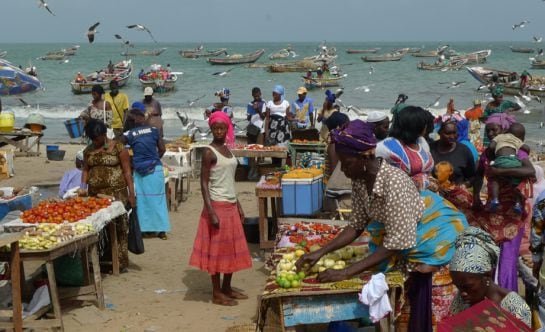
14,81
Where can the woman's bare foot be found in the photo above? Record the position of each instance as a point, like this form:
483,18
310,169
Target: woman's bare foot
223,299
233,294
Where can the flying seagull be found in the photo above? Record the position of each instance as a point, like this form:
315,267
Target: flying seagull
42,3
371,70
91,32
364,88
453,84
222,73
192,102
25,104
537,39
184,118
123,41
435,103
520,25
140,27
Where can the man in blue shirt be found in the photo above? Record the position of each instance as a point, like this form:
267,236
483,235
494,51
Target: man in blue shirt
303,110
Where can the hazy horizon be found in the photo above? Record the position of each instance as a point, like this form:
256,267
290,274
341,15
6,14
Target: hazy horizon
216,21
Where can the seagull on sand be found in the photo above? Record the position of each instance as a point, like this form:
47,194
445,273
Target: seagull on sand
42,3
91,32
520,25
140,27
192,102
537,39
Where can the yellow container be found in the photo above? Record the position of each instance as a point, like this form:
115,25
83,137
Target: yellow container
7,121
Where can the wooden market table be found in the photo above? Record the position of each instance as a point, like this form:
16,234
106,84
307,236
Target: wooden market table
315,303
85,245
21,141
295,148
263,196
12,240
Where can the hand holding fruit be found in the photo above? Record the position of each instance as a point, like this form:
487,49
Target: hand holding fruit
309,259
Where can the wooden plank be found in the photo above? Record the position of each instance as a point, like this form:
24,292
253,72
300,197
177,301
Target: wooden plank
36,324
15,262
259,192
115,253
97,278
71,292
322,309
53,293
7,239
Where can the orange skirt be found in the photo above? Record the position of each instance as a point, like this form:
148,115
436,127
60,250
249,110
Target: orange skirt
222,250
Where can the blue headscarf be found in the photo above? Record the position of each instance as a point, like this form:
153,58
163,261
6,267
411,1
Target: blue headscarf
280,90
330,96
463,130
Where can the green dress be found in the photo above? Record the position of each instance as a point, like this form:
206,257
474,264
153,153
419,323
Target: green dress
512,303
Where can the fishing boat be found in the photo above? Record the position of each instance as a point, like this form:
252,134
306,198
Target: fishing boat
158,78
236,59
3,53
59,55
383,57
522,49
414,50
319,83
155,52
538,63
445,66
294,66
121,73
71,51
403,50
426,54
200,53
364,51
474,57
510,80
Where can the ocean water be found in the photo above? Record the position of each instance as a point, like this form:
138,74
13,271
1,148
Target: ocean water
389,79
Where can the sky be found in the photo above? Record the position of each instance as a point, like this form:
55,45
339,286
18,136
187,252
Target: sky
273,21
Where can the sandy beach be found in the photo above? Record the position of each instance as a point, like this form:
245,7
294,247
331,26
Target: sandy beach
160,292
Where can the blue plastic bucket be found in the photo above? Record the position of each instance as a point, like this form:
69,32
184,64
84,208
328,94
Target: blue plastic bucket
51,147
74,127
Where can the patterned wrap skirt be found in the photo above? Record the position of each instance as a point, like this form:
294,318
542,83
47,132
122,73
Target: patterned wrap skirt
223,249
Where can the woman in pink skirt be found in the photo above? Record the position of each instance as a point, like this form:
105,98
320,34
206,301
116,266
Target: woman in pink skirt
220,245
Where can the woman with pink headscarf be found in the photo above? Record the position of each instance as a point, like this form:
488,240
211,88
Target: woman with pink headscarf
220,245
505,226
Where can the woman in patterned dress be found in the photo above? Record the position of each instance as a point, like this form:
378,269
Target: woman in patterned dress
410,230
472,269
107,171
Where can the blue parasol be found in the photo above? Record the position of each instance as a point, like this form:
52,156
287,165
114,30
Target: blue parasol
14,81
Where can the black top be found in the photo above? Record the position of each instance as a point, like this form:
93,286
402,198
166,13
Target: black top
460,158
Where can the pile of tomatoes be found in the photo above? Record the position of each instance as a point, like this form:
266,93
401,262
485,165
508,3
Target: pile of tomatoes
71,210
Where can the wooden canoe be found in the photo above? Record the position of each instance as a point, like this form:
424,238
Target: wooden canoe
538,64
160,85
426,54
510,80
194,54
441,66
369,50
155,52
471,58
383,57
237,59
522,49
319,83
122,73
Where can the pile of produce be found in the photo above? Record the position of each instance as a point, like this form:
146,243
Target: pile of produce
47,236
303,173
304,141
57,212
258,147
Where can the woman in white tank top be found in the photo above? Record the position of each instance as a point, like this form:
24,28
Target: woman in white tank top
220,245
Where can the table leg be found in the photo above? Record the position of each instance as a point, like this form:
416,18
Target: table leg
53,292
172,190
263,222
115,253
97,278
14,265
85,265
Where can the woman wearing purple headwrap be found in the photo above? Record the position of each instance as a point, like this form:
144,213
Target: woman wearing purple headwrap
408,229
506,226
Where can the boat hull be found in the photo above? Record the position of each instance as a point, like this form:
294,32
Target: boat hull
382,58
122,77
317,83
194,54
509,80
160,86
370,50
247,58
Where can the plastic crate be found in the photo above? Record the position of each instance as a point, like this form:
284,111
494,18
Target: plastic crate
302,197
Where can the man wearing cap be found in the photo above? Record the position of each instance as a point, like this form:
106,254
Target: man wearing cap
381,124
153,110
79,78
120,104
303,110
